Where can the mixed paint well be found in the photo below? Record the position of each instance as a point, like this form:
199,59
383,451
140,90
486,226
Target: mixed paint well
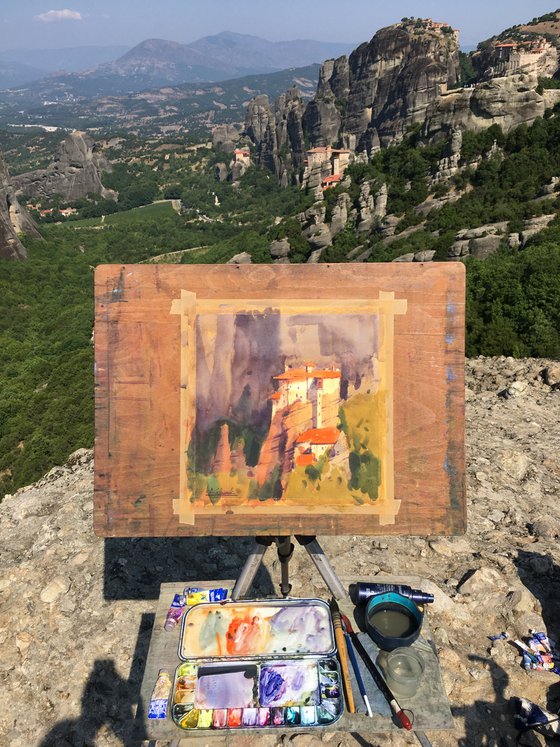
243,695
230,630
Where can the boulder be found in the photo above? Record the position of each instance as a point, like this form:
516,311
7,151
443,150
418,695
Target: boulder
280,248
318,236
74,173
240,259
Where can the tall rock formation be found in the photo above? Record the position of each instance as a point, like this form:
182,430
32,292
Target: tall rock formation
386,85
278,134
14,219
73,174
323,115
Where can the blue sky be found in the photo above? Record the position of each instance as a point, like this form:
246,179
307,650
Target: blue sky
45,24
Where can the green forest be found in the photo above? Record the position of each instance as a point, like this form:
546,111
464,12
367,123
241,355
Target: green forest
46,302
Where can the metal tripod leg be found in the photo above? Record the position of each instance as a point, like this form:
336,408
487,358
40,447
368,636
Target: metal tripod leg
285,552
315,552
252,565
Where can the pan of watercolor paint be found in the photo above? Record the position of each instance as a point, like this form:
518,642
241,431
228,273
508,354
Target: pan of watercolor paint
266,664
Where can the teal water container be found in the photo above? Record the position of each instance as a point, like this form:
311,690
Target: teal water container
393,620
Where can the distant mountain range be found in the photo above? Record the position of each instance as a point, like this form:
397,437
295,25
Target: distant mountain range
158,62
20,66
189,105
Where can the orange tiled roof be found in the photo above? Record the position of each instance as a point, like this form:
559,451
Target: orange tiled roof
292,374
319,436
317,374
302,460
300,374
330,179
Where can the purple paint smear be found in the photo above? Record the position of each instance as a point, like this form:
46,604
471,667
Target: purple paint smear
303,629
289,683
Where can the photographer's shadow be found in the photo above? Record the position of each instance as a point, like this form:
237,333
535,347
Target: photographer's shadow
108,700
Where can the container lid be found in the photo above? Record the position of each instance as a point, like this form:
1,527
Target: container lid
257,629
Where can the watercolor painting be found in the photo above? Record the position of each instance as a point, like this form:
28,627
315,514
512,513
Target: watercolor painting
286,407
243,629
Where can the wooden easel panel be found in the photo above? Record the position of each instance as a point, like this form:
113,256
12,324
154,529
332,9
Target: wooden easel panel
279,399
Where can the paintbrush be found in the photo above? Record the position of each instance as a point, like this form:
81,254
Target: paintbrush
347,627
400,715
339,636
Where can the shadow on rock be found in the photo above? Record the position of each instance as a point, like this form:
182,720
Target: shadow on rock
541,576
136,567
488,723
108,702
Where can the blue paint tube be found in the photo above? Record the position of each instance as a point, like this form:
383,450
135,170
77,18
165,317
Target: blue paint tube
160,696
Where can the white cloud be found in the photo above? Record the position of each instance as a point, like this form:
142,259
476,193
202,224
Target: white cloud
59,15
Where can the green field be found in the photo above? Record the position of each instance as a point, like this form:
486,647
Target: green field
136,215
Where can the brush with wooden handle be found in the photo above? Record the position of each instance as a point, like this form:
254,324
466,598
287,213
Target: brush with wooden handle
341,645
378,678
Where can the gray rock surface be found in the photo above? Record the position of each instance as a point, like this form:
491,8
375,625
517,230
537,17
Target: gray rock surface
76,611
74,172
277,134
225,137
243,258
14,219
385,86
280,248
508,102
340,214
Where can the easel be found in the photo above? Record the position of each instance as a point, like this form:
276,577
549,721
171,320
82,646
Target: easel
285,549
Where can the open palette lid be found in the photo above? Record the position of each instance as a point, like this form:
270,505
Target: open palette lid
266,628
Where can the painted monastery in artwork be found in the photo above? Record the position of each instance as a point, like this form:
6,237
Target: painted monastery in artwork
305,451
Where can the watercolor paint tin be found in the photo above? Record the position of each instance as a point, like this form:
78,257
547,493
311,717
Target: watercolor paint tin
268,628
257,664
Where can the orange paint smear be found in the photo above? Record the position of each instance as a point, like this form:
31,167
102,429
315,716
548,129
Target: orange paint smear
244,635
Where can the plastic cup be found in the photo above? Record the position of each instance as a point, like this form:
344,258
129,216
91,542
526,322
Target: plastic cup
404,668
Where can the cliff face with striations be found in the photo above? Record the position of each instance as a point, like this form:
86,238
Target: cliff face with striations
14,219
508,101
74,172
385,86
278,134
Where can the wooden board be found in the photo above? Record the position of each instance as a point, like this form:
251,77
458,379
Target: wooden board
278,399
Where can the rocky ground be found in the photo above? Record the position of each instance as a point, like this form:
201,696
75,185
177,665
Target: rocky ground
76,611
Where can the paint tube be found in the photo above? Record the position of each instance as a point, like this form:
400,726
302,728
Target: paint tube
531,654
541,641
366,590
198,596
160,695
502,637
175,612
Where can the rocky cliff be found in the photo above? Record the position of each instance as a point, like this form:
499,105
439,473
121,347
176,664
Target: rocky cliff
508,101
77,611
277,134
74,172
384,87
14,219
